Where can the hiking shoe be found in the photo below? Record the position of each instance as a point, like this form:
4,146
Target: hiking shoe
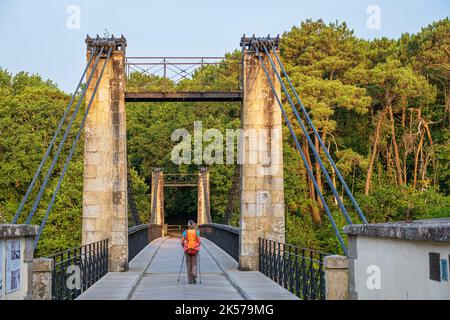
194,280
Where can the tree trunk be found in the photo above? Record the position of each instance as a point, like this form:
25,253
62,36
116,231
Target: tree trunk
403,102
433,160
416,160
376,139
394,143
405,158
389,165
447,107
318,170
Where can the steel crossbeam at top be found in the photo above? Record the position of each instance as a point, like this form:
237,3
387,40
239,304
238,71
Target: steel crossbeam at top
180,180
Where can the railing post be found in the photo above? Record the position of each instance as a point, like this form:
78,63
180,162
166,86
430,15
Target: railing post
303,275
336,278
291,271
42,278
261,267
84,267
285,262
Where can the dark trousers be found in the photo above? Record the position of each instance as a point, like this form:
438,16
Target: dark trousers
191,266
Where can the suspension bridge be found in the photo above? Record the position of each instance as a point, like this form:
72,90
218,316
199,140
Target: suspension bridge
253,261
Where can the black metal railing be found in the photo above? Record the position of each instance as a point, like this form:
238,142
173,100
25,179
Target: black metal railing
140,236
224,236
77,269
299,270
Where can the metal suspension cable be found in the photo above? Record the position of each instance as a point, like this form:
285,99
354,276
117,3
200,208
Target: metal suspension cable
232,195
131,200
206,199
330,159
61,144
311,144
153,218
72,150
52,142
308,169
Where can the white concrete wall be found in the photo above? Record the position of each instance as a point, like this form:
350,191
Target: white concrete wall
23,292
404,269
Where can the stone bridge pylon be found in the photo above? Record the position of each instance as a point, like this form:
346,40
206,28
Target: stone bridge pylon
262,192
105,213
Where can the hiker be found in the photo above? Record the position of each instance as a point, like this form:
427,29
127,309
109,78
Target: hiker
190,241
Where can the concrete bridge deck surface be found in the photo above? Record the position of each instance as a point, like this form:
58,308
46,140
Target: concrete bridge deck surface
154,272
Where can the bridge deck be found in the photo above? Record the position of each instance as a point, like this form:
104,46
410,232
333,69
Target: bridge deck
154,271
212,96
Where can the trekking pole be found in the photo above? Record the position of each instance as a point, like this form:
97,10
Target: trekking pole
181,267
199,268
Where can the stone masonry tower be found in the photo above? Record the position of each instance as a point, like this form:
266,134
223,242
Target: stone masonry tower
157,197
203,204
105,157
262,192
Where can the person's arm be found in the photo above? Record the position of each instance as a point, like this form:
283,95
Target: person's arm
183,238
198,238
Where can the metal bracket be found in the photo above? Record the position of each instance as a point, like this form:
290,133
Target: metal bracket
249,43
106,42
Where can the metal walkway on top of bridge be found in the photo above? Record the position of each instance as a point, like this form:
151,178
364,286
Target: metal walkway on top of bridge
154,272
160,96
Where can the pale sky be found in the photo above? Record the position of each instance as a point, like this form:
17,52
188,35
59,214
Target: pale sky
34,35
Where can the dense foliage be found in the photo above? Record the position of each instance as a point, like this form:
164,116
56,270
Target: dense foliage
381,106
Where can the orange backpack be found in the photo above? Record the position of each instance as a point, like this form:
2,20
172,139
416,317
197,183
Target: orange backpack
191,245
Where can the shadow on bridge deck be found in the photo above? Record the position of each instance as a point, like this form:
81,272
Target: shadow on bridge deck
154,271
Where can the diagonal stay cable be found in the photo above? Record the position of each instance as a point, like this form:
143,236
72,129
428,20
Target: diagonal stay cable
310,142
330,159
72,150
52,142
308,169
61,144
206,199
131,200
154,197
